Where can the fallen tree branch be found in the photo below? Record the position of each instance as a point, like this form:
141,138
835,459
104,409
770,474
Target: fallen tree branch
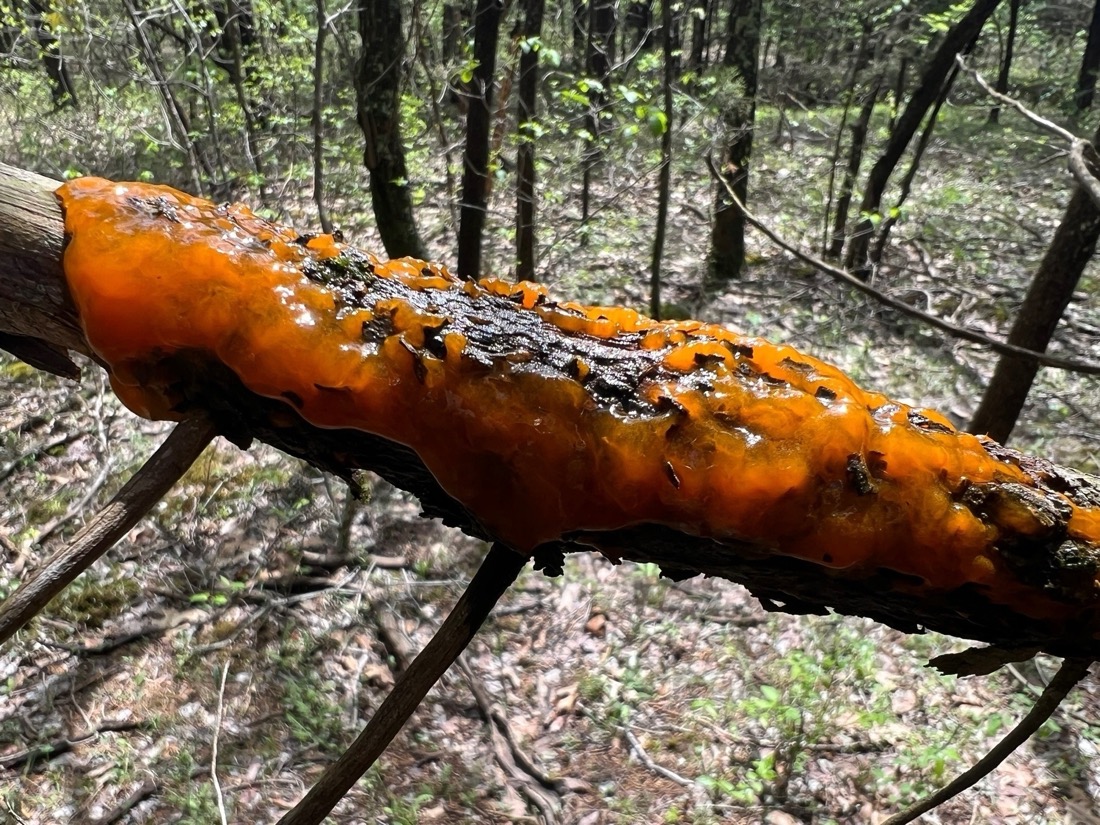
540,789
496,574
144,489
1071,672
954,330
626,396
26,760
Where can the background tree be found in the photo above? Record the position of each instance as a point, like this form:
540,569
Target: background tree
378,93
727,250
475,162
526,133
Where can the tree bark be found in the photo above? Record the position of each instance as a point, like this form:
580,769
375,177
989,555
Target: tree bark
727,240
851,172
924,96
378,97
475,169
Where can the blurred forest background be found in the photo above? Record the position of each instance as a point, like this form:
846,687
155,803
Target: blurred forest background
210,666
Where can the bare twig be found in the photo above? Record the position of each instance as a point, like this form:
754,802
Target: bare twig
1082,154
842,275
496,574
144,489
1071,672
648,762
26,759
214,746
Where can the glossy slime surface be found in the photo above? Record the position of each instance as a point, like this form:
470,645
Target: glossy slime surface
621,420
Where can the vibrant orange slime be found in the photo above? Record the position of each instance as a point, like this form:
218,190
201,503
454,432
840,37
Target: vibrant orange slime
773,447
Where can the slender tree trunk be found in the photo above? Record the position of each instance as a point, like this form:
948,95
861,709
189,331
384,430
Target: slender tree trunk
665,183
601,46
1006,58
452,32
62,90
900,81
445,143
237,28
924,96
580,33
697,61
859,62
525,156
851,172
222,187
1090,63
727,241
378,95
1050,292
475,172
887,225
317,118
178,117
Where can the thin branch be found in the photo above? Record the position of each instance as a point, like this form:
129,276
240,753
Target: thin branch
648,762
842,275
214,746
1078,148
496,574
144,489
1071,672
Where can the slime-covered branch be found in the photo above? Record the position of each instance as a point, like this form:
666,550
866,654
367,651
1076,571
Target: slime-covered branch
553,426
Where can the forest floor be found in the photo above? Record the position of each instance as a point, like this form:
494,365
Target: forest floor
261,615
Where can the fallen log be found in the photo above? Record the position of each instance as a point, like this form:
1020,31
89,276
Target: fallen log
552,427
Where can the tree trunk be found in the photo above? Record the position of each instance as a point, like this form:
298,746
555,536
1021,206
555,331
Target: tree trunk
1090,63
924,96
580,33
851,173
1006,58
62,89
525,155
697,60
452,32
1050,292
859,62
727,240
882,236
665,184
378,97
601,46
475,170
317,117
178,117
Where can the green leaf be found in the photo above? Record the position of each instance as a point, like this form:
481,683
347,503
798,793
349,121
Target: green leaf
770,693
658,122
